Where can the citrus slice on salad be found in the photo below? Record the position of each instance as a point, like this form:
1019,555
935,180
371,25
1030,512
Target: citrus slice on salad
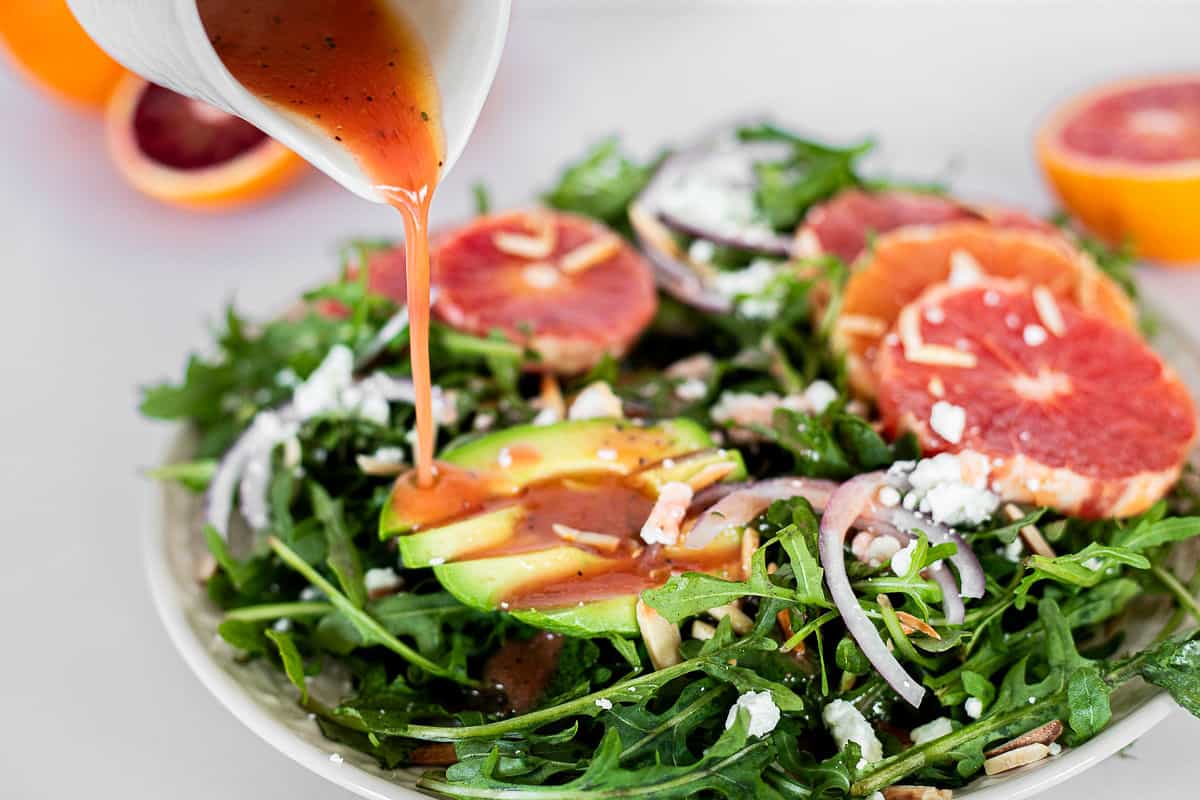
902,264
187,153
1070,410
563,285
48,44
1125,160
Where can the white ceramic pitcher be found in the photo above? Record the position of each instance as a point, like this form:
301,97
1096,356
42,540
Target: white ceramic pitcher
164,40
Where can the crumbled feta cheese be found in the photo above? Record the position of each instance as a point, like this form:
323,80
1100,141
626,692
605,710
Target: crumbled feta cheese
1034,335
1094,563
604,703
758,307
973,708
964,269
875,796
484,421
1014,549
691,389
948,421
938,487
287,378
389,455
702,251
819,395
504,458
282,625
747,281
596,401
935,729
847,724
381,580
311,594
888,497
547,416
744,408
902,560
700,366
764,714
336,758
1054,749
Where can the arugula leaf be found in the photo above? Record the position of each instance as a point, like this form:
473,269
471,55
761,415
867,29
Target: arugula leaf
663,737
241,573
602,185
293,664
343,558
1083,569
1175,666
1087,701
194,475
799,540
695,592
1147,534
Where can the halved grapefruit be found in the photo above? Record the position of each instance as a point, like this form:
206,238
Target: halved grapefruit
563,285
1071,410
45,41
902,264
187,153
1125,160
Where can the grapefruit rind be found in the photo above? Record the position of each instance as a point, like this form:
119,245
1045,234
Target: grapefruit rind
905,262
247,178
1091,423
1152,205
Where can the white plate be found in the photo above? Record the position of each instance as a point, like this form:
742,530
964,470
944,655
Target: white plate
261,697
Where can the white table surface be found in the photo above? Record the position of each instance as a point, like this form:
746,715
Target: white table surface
104,290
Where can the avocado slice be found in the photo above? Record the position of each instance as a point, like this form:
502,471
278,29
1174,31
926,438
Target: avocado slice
467,553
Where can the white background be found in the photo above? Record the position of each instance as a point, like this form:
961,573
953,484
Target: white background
103,290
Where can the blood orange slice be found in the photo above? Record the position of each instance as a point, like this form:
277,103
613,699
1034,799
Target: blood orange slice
1125,159
902,264
568,287
1070,410
187,153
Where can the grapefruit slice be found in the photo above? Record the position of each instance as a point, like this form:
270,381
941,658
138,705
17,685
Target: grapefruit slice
187,153
902,264
45,41
563,285
1071,410
1125,160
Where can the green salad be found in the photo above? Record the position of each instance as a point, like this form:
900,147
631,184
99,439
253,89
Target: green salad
680,546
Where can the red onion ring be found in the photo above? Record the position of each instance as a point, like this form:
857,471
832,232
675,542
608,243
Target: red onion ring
970,571
847,503
772,245
738,508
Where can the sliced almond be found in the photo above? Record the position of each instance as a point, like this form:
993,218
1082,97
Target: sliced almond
1030,535
738,619
1048,311
964,269
918,352
861,325
1043,734
539,245
917,793
709,475
750,542
589,255
1015,758
649,227
661,637
604,542
551,398
204,568
910,624
702,631
540,275
379,467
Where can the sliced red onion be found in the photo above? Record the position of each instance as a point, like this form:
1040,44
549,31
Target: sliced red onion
753,240
845,506
952,604
671,271
970,572
743,505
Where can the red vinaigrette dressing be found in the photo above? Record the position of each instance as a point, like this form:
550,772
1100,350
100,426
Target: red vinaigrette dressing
358,71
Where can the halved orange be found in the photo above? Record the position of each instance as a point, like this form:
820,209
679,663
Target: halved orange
187,153
47,44
1125,160
904,263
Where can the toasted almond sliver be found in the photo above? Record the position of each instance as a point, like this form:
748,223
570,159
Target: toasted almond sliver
538,245
942,356
917,793
1048,311
589,255
1015,758
368,465
709,475
738,619
603,542
1030,534
551,396
861,325
749,545
910,624
540,275
702,631
661,637
1043,734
